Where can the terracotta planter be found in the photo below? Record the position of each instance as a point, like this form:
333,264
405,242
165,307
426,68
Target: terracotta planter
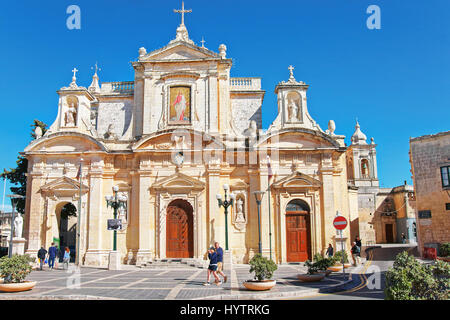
327,272
256,285
17,287
347,265
446,259
335,268
311,277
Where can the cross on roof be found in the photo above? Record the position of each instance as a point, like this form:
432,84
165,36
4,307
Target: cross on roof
182,11
96,68
203,42
291,70
74,72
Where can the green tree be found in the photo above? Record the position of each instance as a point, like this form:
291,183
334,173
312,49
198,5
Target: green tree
17,175
409,279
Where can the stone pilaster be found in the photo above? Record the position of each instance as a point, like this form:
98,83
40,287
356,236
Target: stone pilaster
33,214
94,254
144,253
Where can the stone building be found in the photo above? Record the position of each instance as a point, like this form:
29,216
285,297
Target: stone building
380,215
170,140
5,227
430,168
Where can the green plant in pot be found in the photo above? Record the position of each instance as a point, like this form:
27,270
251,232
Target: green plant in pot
337,258
323,263
263,269
14,270
314,272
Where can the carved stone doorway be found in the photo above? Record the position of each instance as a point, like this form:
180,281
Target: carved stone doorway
180,235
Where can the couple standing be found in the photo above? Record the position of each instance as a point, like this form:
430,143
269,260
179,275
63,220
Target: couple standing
215,255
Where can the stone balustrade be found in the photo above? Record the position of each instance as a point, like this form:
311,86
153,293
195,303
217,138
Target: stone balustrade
118,87
245,84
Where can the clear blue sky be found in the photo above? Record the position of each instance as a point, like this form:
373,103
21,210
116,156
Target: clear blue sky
395,80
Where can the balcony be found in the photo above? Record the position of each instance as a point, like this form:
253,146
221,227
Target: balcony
245,84
122,87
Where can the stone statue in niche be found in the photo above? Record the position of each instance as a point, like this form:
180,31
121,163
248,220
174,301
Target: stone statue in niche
293,111
240,218
122,210
71,115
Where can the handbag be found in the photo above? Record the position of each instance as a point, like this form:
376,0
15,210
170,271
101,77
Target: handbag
45,261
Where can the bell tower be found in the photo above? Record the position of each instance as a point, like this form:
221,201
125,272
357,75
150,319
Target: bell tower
362,160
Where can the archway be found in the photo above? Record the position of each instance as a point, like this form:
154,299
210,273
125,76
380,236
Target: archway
298,231
179,230
66,215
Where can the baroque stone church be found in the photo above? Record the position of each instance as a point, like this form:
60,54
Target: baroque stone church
170,141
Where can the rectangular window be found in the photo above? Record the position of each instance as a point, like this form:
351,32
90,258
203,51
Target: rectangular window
447,206
445,175
424,214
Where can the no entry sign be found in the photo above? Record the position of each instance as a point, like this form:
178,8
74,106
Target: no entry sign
340,223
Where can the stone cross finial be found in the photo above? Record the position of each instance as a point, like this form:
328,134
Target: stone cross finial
96,68
291,71
203,42
182,11
73,84
74,72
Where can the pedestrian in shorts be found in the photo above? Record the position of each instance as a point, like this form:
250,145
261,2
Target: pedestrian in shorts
212,255
219,252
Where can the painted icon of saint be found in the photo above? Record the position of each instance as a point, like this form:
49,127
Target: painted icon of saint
180,106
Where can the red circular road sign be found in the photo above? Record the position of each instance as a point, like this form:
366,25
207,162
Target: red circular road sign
340,223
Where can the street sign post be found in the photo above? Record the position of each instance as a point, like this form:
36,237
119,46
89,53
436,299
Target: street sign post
340,223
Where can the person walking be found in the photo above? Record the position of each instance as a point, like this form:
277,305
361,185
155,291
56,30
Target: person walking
330,251
66,258
355,252
52,253
212,255
41,256
219,252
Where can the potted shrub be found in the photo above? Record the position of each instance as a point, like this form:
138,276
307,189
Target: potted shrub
323,263
14,270
313,274
263,269
337,262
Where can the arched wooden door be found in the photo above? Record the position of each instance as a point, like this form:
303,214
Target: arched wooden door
298,232
179,226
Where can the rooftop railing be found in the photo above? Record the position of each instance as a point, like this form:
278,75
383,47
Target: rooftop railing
118,87
245,84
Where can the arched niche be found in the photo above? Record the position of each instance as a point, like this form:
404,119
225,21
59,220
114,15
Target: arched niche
70,115
293,107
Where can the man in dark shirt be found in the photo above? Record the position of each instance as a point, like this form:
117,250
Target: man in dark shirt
52,252
212,256
330,250
219,252
41,255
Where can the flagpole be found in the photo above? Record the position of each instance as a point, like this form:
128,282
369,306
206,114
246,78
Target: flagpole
80,173
268,190
4,190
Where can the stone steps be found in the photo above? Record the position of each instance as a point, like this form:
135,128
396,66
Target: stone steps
174,264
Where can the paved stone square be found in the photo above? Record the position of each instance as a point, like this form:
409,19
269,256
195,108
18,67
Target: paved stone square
158,284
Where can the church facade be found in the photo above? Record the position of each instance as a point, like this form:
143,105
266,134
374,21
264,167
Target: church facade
171,140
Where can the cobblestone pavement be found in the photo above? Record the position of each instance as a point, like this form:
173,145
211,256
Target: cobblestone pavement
158,284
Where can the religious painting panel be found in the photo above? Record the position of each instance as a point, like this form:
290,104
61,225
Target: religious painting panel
180,105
